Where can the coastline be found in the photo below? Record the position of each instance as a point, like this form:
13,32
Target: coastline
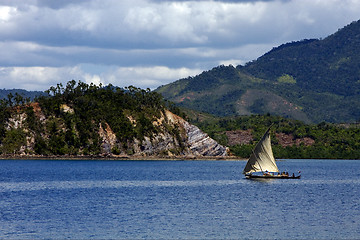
132,158
122,158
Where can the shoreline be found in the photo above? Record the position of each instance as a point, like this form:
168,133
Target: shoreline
124,158
135,158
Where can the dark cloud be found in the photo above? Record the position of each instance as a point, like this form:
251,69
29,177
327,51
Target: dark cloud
57,4
136,35
227,1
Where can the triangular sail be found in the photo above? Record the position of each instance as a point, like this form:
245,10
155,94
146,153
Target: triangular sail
262,158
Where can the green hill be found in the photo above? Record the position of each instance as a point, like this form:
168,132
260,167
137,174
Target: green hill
89,120
310,80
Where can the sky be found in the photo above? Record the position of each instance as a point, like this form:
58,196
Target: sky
149,43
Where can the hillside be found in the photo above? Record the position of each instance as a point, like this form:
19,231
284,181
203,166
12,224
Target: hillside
310,80
90,121
290,138
23,94
87,120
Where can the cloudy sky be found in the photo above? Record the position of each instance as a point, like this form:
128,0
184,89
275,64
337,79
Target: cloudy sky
148,43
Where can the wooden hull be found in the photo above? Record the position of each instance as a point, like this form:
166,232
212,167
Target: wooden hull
248,176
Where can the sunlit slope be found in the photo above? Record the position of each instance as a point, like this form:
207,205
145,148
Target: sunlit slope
310,80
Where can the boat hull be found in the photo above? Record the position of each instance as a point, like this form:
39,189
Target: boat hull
272,176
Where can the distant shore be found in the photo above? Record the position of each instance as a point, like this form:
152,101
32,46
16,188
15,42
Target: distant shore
121,157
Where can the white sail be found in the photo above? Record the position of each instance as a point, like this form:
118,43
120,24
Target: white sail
262,158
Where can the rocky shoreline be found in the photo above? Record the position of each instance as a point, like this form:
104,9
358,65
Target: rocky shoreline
121,157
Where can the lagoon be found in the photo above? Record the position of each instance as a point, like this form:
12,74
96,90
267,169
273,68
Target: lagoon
177,200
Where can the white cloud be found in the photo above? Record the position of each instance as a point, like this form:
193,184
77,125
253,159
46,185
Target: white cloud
95,79
36,78
138,23
6,12
42,78
148,77
146,42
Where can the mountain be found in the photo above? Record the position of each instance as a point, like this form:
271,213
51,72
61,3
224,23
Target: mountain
25,94
86,120
312,80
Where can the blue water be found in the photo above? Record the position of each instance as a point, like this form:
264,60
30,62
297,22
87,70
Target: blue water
177,200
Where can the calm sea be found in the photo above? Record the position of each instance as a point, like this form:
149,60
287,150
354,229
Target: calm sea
177,200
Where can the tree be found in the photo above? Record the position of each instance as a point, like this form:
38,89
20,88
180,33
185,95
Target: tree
14,139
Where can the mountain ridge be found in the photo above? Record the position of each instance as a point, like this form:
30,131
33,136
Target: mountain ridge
311,80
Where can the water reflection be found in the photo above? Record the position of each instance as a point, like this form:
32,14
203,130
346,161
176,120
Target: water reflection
264,180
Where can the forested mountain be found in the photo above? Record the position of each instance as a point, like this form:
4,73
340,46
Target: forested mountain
20,95
310,80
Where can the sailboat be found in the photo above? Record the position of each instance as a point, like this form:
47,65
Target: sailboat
261,163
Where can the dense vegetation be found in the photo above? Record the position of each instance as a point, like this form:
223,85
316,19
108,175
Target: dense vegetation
310,80
330,65
73,114
331,141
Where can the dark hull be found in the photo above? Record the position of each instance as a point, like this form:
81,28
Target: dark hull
272,176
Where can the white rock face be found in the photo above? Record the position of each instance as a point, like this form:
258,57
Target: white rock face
108,138
174,137
191,141
201,144
198,142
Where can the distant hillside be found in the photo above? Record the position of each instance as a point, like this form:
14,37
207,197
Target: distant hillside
290,138
26,94
310,80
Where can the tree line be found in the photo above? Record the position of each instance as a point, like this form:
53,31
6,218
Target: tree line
129,112
331,141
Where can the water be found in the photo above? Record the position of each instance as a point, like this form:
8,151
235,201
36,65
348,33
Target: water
177,200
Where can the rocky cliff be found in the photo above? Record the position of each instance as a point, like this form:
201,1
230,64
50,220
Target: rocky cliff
188,141
197,142
174,137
